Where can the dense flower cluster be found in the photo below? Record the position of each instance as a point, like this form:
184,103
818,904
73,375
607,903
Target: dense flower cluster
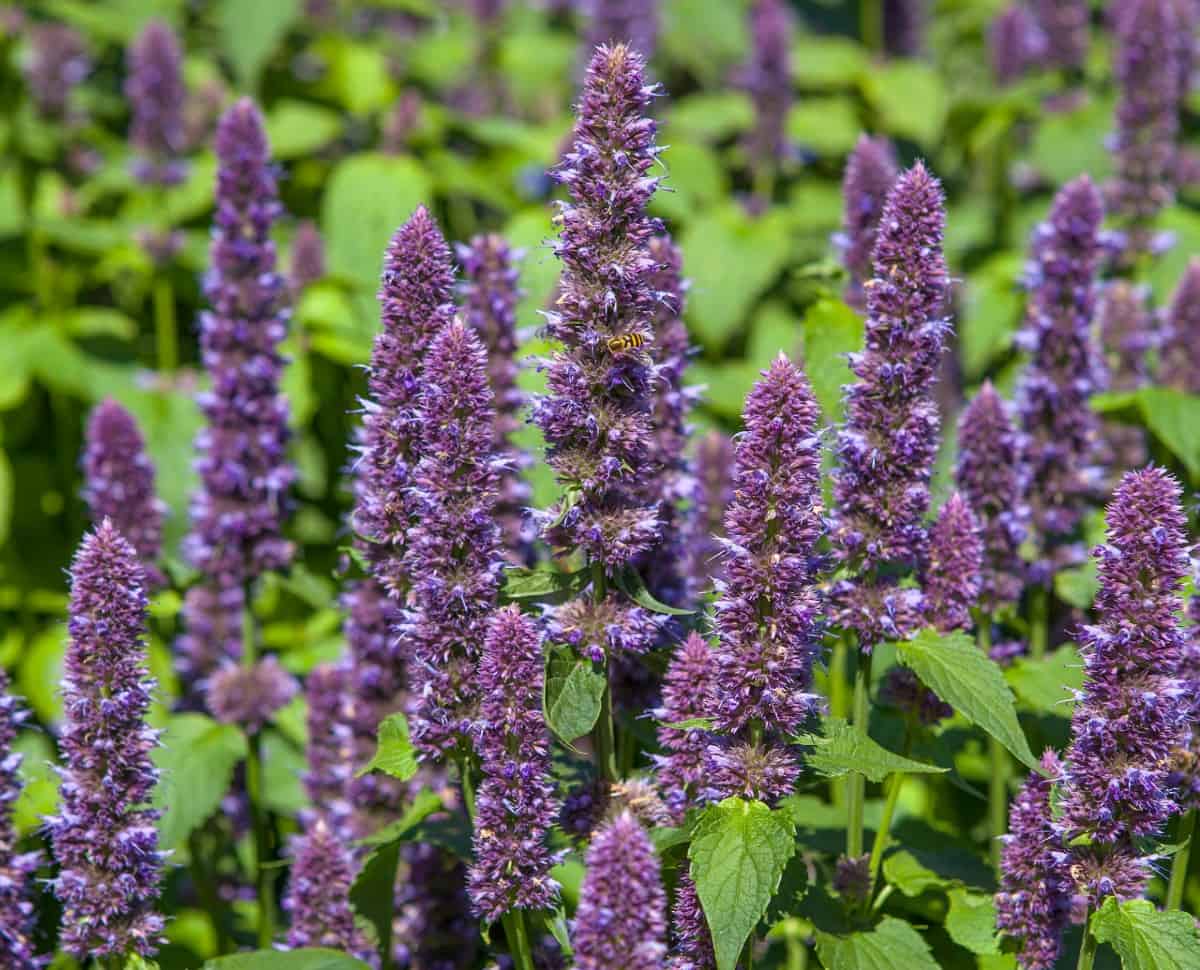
952,572
991,477
685,696
454,556
691,944
211,636
104,836
516,806
1066,24
1016,42
249,694
630,22
118,481
308,257
1116,785
596,417
767,79
1179,358
154,88
902,689
331,755
17,916
887,446
57,61
870,173
712,494
904,26
622,916
1062,432
490,294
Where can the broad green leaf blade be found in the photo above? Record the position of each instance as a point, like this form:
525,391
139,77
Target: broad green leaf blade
843,750
196,761
1146,939
971,921
523,585
572,694
1045,685
890,945
251,32
394,754
632,585
738,853
1078,586
957,671
314,959
831,331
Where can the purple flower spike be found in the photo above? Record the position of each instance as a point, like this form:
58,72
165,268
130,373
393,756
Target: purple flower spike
1127,334
308,257
156,95
517,806
1180,355
767,79
887,447
1132,709
17,913
119,483
1034,901
597,416
612,627
1147,70
685,696
871,171
415,300
768,608
902,689
1066,26
211,637
1065,369
318,896
332,755
250,695
630,22
622,915
1017,43
490,295
245,476
712,495
692,947
904,27
952,573
454,554
57,63
104,838
764,772
991,477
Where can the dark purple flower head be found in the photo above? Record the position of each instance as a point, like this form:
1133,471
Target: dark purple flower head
767,79
308,257
211,636
768,609
104,836
871,171
490,294
318,896
118,483
517,805
887,446
622,916
245,477
1179,365
1066,24
402,120
1034,901
691,939
991,477
764,772
56,63
18,917
249,695
852,878
685,696
1147,71
415,300
612,626
155,91
596,417
1132,709
904,27
454,556
712,494
1065,369
902,689
1127,333
332,754
630,22
1016,42
952,571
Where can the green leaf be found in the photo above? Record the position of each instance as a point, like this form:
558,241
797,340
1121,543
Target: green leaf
910,97
828,61
307,959
572,694
957,671
971,921
522,585
41,671
251,32
888,946
1066,143
831,331
1078,586
367,198
630,582
394,753
911,876
1145,938
844,749
196,761
1173,417
738,853
992,310
709,116
1045,685
297,128
828,126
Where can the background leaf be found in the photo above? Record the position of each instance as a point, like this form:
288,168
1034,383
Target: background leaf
197,758
843,749
888,946
394,752
572,694
1145,938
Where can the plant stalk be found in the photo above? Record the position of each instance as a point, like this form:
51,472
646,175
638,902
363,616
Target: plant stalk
839,706
263,876
603,735
1039,622
856,787
870,14
166,334
517,934
1087,952
998,781
1179,865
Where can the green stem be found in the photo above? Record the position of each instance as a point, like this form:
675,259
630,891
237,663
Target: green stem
1039,622
206,889
1179,865
603,736
255,789
839,706
517,934
166,334
468,785
870,13
998,781
857,786
797,952
895,784
1087,952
